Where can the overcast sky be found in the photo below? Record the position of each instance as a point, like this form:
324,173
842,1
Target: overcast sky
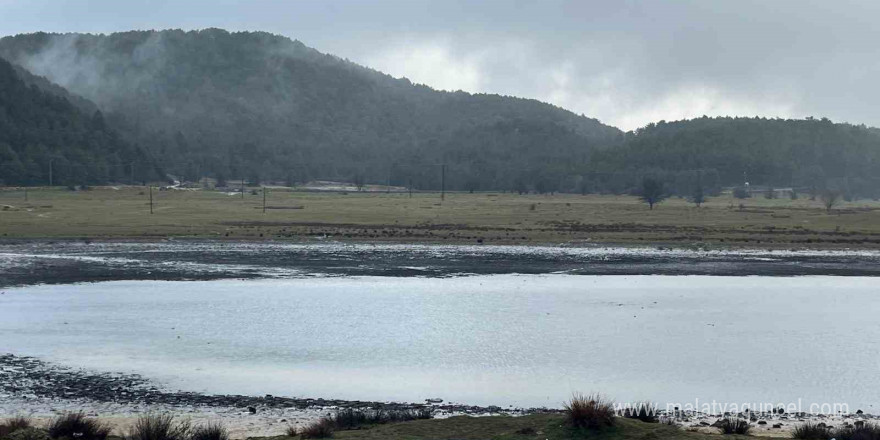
626,63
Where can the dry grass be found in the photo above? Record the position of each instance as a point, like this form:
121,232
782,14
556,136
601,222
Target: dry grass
589,412
461,218
159,427
77,426
14,424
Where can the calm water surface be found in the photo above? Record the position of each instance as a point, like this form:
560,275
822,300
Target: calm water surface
522,340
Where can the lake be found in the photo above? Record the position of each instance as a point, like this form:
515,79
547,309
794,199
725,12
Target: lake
501,339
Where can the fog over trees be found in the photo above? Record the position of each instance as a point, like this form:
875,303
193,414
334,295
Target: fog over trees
266,108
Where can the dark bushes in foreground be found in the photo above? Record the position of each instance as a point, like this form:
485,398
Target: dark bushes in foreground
323,428
733,425
589,412
351,418
644,411
77,426
159,427
813,431
354,418
14,424
210,431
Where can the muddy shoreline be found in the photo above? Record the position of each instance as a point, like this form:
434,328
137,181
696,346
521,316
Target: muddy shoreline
28,262
28,377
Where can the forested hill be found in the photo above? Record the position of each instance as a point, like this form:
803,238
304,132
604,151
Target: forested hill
262,106
38,127
810,154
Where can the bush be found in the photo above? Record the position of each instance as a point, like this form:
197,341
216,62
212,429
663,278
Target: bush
354,418
741,193
291,431
28,434
210,431
323,428
590,412
14,424
159,427
77,426
811,431
644,411
863,432
733,425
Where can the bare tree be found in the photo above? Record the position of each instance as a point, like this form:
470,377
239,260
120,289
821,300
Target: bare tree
652,191
830,198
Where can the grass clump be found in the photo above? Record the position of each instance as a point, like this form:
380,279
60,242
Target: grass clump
865,431
351,418
811,431
14,424
77,426
589,412
644,411
734,425
291,431
159,427
210,431
323,428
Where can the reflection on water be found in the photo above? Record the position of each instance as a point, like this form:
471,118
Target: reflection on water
522,340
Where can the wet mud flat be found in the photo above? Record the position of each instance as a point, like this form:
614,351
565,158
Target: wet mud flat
61,262
25,378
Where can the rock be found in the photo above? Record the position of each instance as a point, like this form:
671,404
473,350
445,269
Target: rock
777,425
252,410
434,400
762,422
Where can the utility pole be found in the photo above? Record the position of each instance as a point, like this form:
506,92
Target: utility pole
443,181
50,171
131,176
410,188
242,187
264,200
151,199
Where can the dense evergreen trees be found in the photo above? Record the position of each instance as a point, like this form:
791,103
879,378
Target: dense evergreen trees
261,107
41,131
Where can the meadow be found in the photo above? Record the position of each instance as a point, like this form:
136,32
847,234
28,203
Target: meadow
490,218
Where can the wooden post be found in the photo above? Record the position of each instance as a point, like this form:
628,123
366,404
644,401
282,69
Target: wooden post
264,200
50,171
151,199
242,187
410,188
443,182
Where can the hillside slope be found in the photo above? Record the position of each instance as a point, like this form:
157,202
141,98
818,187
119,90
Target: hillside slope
262,106
38,127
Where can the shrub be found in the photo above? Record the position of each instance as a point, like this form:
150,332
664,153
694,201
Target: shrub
741,193
78,426
644,411
28,434
350,418
590,412
323,428
810,431
14,424
865,431
732,425
291,431
210,431
159,427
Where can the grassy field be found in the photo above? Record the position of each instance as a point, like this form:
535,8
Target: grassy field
533,427
491,218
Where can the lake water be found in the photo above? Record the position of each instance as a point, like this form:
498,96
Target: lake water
522,340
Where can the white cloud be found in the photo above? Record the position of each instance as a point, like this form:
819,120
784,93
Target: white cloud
432,63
